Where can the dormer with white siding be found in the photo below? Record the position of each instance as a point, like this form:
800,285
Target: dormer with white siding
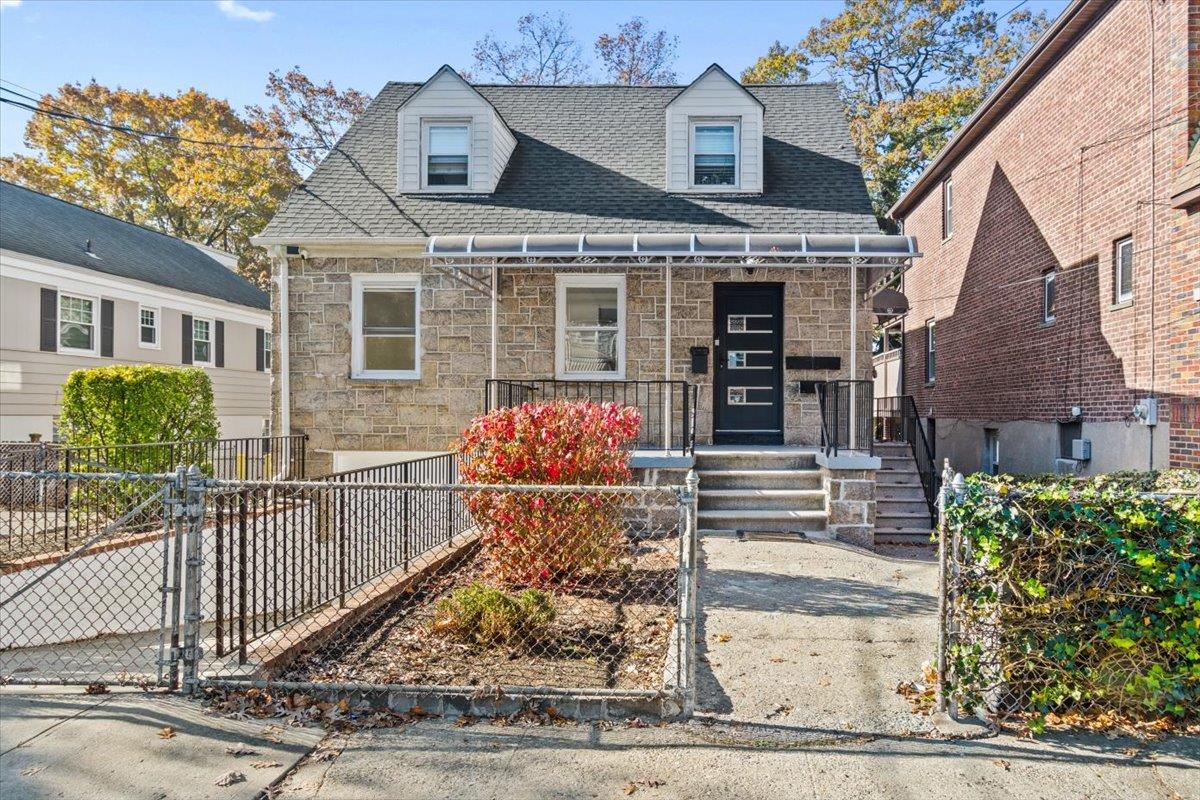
451,139
715,137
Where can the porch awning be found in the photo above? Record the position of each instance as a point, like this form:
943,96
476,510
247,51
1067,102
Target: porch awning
683,248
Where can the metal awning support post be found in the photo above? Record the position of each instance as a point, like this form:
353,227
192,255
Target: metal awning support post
853,357
495,322
667,400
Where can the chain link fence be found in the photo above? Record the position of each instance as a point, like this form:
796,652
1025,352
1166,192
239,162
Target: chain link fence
393,589
1068,599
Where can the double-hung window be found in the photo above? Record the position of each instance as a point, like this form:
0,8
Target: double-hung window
384,319
202,341
714,153
148,327
1123,270
591,326
77,324
947,208
266,357
1048,290
447,147
930,351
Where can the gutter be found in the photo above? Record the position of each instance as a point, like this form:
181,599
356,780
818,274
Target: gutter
1056,39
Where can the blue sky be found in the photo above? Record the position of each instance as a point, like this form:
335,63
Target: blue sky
227,49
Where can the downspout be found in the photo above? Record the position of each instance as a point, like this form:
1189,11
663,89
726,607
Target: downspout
1153,225
667,365
285,383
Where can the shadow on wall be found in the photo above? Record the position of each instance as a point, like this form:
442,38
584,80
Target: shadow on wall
997,359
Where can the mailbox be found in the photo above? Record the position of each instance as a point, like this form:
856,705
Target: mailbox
699,360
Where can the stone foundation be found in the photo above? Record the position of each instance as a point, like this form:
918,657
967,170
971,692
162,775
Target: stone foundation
850,504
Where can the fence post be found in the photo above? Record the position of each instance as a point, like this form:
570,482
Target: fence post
192,613
686,666
943,588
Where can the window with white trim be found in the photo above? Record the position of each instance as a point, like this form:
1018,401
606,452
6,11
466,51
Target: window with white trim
148,327
930,351
77,324
447,154
384,317
202,341
590,314
714,153
266,351
1048,290
947,208
1123,270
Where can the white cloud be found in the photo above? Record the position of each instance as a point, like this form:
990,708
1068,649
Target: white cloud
235,10
9,3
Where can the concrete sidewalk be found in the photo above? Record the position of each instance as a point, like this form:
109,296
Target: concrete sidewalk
61,743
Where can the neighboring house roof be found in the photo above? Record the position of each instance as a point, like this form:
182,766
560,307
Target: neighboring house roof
1185,189
588,159
1057,39
45,227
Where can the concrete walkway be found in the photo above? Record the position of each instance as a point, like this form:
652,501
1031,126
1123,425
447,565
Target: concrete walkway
62,743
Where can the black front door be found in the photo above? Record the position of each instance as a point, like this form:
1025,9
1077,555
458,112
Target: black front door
748,361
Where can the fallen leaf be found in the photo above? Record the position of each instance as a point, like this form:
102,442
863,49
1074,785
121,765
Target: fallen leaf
776,660
823,682
1003,764
723,637
240,749
265,764
167,733
781,710
273,733
96,688
230,778
630,787
25,773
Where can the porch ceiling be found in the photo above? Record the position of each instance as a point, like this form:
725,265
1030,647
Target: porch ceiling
590,249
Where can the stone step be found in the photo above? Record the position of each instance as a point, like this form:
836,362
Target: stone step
755,458
892,506
900,463
759,498
889,478
901,492
901,536
892,448
759,479
761,520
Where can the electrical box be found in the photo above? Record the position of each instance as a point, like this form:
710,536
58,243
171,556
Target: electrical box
699,360
1066,466
1145,411
1081,449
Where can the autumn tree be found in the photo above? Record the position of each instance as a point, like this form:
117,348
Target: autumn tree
781,64
635,56
308,118
545,53
911,72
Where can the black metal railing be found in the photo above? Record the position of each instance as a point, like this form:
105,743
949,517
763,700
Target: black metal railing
436,469
896,420
668,408
846,413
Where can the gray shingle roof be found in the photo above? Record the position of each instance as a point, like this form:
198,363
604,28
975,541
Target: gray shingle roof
590,158
46,227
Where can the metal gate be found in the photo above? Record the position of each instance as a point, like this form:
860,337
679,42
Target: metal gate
93,596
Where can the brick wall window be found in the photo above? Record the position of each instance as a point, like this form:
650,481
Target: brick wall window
1123,270
1048,290
948,208
930,351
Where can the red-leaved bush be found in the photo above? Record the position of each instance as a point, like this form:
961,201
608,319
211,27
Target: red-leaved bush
549,538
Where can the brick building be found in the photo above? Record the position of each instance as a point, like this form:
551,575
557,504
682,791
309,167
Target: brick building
1060,286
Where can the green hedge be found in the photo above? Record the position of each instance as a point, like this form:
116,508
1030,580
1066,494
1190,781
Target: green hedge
1077,595
122,405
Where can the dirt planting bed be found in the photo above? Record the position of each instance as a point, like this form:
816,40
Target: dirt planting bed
609,631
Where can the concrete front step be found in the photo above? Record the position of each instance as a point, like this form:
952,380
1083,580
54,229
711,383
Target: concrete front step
906,505
900,493
772,499
759,479
892,536
751,458
761,520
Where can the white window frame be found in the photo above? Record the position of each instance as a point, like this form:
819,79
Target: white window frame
434,122
360,282
930,351
267,343
157,343
947,208
212,341
1049,284
1117,271
94,351
736,122
561,284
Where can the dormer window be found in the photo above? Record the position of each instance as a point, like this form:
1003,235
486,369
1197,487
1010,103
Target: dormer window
447,154
714,153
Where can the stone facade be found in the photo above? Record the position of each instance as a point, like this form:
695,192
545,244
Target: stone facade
340,413
850,504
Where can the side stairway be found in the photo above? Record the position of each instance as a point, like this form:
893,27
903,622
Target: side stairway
760,489
901,514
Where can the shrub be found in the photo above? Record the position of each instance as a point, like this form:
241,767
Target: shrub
486,616
546,539
1077,596
121,405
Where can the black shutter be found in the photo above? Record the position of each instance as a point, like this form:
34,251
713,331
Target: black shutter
220,357
260,343
49,320
106,328
187,338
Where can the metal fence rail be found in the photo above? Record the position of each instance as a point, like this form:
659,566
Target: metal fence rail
847,412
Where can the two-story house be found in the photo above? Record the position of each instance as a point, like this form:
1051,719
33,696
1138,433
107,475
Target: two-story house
82,289
1054,320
